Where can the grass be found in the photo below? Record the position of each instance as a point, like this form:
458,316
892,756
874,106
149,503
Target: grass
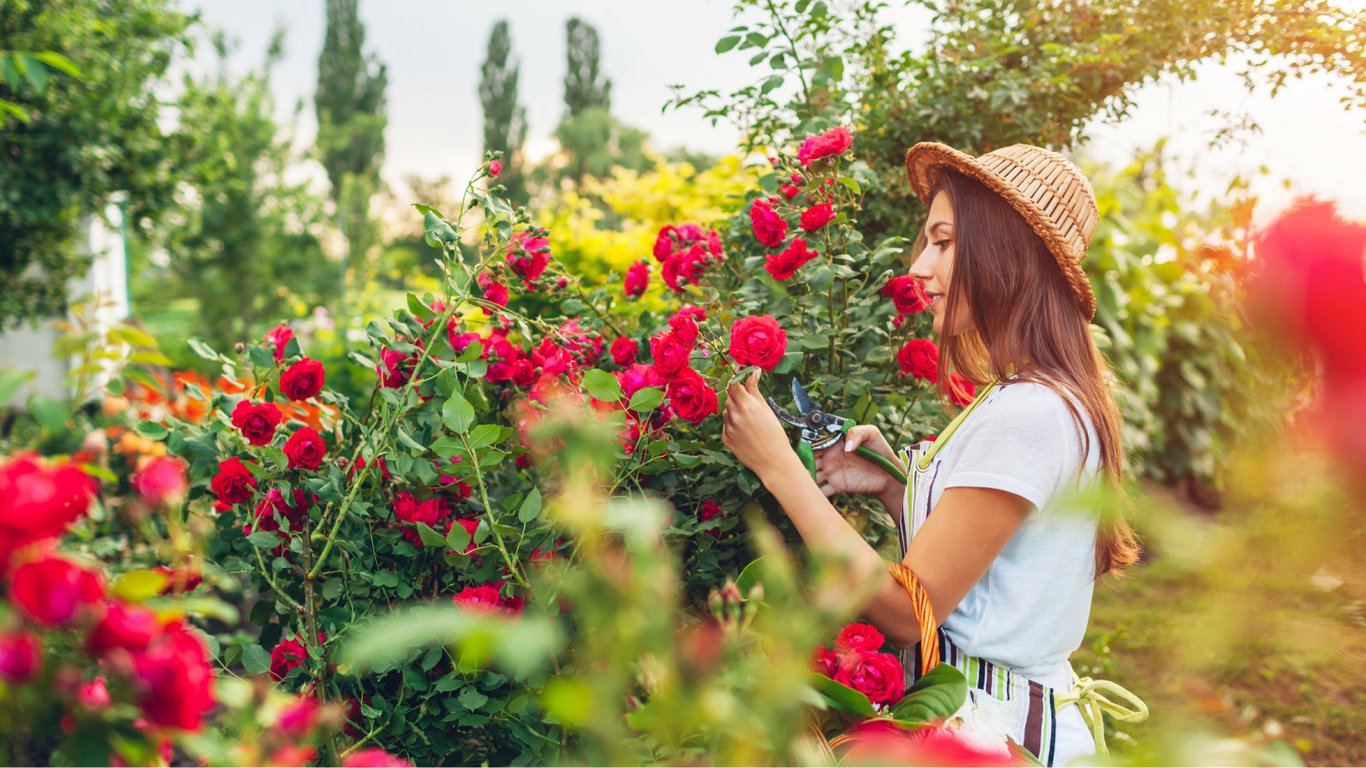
1249,638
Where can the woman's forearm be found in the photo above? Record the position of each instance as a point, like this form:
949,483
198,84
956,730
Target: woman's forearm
894,500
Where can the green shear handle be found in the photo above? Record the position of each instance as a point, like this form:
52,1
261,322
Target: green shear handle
807,454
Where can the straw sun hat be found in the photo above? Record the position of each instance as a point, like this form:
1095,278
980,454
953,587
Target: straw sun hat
1045,187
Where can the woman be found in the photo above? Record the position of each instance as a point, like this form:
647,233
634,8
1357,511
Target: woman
992,526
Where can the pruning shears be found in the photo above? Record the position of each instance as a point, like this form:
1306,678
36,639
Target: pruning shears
821,430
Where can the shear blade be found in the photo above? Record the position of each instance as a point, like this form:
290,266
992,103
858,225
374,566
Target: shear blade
803,400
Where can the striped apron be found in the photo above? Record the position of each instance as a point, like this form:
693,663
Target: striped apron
1030,704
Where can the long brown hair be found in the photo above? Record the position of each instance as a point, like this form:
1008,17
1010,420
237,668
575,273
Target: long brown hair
1026,321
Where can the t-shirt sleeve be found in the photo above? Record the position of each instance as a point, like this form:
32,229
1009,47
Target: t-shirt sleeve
1022,443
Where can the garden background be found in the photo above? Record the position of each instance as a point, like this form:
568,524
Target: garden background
319,404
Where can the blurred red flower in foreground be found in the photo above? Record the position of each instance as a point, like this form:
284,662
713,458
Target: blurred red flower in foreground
881,742
1312,289
37,502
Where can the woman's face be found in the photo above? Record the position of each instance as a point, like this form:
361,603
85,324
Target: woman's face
934,266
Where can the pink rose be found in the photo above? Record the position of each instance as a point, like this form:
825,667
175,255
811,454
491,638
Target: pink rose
495,168
278,337
161,481
528,255
624,351
769,227
637,279
879,676
833,142
859,637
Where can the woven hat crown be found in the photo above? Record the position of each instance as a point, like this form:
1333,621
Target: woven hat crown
1047,189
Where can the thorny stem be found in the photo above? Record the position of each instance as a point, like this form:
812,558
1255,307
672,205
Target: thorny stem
796,57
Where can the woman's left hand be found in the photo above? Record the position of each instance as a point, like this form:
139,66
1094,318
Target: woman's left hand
753,432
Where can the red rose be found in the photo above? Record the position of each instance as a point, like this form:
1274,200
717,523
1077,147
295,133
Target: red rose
758,341
859,637
691,397
407,509
784,265
670,352
961,391
907,293
129,627
528,255
788,191
302,380
234,483
685,327
879,676
37,501
637,279
919,358
285,656
374,757
305,449
179,579
817,216
495,168
394,368
20,657
824,662
161,481
278,337
52,590
624,351
709,511
176,679
459,341
664,243
482,598
257,421
94,695
769,227
833,142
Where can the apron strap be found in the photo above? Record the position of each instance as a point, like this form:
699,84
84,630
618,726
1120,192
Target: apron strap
1089,696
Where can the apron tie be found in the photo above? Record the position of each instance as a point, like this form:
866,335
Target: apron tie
1090,697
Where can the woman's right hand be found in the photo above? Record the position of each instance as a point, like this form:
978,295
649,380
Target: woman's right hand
840,470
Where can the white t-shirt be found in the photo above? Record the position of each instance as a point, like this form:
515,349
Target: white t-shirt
1029,610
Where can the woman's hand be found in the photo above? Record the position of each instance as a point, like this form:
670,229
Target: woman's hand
840,470
753,433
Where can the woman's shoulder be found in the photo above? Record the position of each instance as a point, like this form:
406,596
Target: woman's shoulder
1033,400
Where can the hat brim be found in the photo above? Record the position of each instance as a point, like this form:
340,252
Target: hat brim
927,159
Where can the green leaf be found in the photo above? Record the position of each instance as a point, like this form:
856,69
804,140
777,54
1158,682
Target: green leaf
458,538
58,62
771,83
852,185
934,696
49,413
199,347
520,646
152,430
438,232
646,399
472,699
420,311
10,382
726,43
255,660
457,414
750,576
602,385
485,435
531,507
842,697
431,538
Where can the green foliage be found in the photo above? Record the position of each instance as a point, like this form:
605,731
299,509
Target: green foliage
504,118
244,240
85,139
21,71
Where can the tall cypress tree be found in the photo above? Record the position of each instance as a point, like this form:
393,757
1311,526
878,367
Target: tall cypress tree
582,89
350,107
504,119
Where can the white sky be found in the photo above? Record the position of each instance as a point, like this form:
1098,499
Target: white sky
433,50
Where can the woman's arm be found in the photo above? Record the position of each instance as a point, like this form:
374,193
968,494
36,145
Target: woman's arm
949,554
956,545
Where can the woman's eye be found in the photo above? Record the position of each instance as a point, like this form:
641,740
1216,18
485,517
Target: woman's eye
941,244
